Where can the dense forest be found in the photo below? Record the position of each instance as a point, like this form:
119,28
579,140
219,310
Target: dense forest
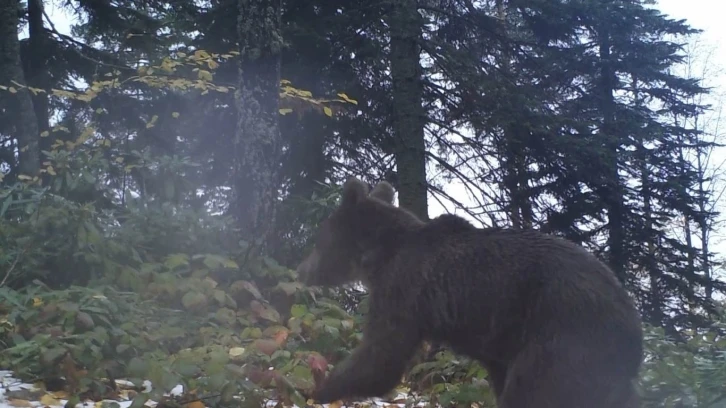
186,151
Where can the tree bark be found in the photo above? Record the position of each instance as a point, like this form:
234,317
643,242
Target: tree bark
26,125
36,69
405,26
257,141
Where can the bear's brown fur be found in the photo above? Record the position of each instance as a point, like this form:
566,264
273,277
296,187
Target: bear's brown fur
549,321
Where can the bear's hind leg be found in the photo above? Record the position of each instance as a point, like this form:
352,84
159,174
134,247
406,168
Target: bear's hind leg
547,376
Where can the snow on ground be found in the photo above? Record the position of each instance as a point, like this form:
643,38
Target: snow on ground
15,393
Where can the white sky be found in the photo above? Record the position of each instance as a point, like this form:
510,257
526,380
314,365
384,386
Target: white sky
703,14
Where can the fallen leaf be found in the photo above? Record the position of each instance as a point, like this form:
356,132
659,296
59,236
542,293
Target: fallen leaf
48,399
289,288
280,337
317,362
19,403
60,394
265,311
266,346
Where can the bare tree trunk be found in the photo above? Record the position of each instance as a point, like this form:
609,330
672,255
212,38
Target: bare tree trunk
257,141
405,26
26,125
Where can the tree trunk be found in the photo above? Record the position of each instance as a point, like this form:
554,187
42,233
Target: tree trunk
702,197
405,27
26,125
257,141
36,70
611,192
656,298
514,163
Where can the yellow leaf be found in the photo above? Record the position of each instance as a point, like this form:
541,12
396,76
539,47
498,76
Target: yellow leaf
228,263
347,99
14,402
328,111
36,300
48,399
196,404
285,111
44,133
152,122
50,170
119,160
24,177
85,135
60,394
201,54
236,351
204,75
175,114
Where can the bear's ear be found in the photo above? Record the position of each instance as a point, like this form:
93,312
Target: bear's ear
354,191
384,192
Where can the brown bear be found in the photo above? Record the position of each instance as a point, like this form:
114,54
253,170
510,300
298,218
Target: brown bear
550,322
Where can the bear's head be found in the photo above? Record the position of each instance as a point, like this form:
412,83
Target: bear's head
352,236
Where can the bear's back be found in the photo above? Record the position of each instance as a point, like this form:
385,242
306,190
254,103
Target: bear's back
505,285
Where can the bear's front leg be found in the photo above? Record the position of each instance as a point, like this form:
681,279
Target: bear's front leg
375,367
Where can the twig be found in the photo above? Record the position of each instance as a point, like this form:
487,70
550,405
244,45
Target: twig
15,262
